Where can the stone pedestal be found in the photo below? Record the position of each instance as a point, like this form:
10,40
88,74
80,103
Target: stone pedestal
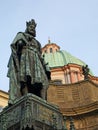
31,113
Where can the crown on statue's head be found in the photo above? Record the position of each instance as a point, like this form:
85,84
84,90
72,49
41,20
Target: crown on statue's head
32,22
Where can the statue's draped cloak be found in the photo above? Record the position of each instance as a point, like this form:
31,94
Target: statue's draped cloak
30,65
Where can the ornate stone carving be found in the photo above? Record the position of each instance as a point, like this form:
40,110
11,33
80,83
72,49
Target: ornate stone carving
33,112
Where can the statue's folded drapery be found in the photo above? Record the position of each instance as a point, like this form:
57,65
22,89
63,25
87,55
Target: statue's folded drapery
31,64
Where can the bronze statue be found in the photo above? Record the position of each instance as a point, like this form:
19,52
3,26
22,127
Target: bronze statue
85,70
27,71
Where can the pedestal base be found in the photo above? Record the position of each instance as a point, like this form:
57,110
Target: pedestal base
31,113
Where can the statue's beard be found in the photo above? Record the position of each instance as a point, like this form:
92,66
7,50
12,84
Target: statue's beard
31,32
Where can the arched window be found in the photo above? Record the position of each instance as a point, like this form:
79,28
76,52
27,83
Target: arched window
51,50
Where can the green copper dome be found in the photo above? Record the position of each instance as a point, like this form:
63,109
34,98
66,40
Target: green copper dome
61,58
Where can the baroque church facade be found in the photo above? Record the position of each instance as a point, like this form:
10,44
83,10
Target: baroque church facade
76,96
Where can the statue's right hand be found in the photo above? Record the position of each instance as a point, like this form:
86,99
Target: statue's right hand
21,43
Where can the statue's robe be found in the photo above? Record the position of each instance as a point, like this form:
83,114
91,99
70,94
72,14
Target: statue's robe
30,64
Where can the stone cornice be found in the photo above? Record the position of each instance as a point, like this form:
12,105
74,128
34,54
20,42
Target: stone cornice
80,110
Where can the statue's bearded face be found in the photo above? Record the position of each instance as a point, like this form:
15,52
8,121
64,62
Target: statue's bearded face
31,30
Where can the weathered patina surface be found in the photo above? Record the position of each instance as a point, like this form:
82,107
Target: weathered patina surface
27,71
31,112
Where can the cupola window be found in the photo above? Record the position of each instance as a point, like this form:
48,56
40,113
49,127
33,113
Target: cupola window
45,51
51,50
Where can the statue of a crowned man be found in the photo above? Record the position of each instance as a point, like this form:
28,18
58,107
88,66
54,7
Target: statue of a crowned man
27,71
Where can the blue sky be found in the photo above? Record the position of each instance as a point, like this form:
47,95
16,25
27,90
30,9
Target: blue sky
72,24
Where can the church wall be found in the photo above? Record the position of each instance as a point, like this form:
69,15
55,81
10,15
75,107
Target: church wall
84,121
67,74
79,100
58,74
73,95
